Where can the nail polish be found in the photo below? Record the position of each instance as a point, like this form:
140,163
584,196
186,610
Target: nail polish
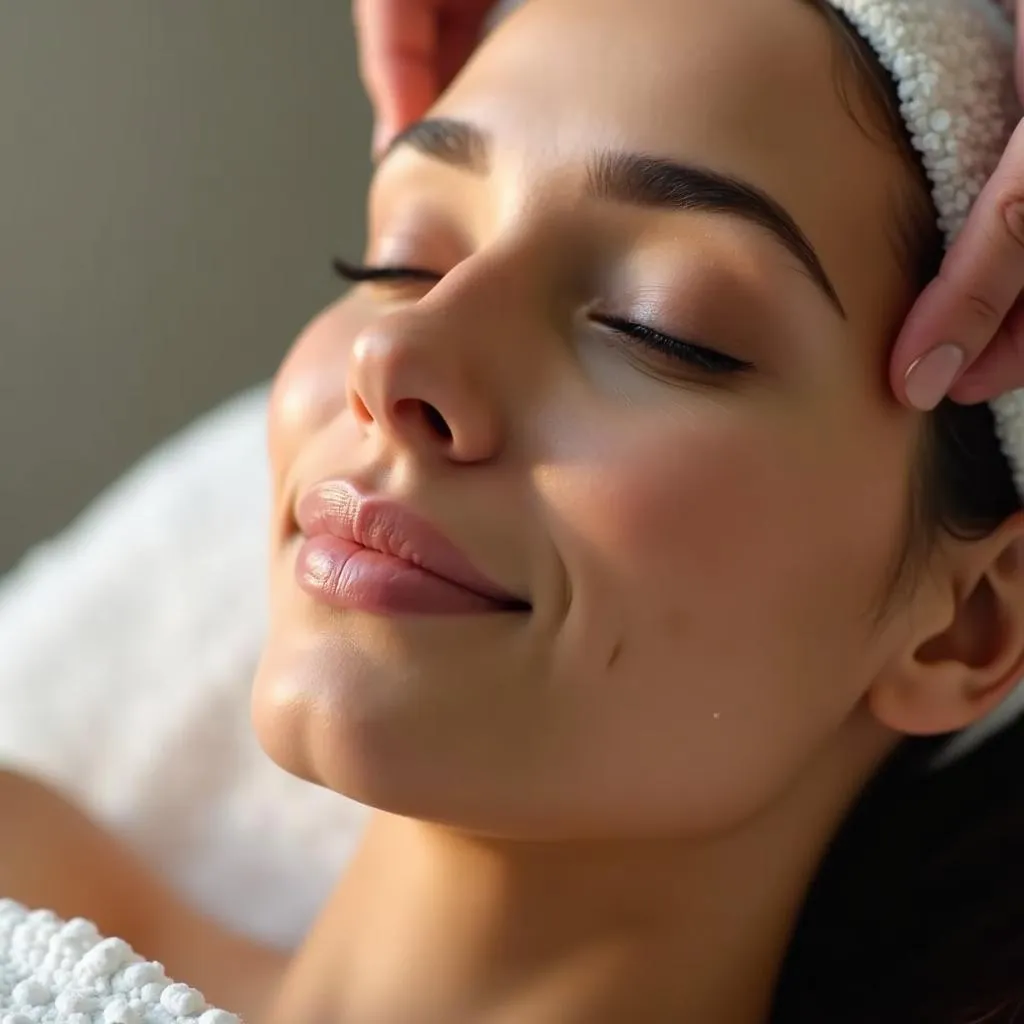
929,378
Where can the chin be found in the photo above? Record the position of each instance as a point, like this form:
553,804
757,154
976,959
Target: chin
405,765
396,741
340,713
321,711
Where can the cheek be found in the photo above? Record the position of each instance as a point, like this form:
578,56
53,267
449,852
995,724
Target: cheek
711,509
721,566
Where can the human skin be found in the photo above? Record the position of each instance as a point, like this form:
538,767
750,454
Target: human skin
616,801
609,807
410,49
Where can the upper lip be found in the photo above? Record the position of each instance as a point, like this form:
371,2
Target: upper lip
337,508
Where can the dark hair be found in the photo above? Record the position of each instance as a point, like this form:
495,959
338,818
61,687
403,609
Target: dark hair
916,915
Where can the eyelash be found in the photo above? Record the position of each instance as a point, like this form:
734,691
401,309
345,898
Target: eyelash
706,359
356,273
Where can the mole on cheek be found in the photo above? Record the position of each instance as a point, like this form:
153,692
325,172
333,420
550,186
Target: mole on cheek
616,653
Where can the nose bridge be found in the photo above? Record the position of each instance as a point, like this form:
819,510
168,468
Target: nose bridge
469,311
442,370
493,287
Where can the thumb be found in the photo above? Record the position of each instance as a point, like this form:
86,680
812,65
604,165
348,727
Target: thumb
398,57
961,311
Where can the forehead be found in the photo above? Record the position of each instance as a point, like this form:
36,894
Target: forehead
750,88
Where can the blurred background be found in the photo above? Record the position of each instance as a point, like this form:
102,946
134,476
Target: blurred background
176,176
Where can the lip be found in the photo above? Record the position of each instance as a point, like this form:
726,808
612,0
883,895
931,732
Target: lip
402,541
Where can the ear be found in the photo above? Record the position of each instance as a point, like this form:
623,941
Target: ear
963,651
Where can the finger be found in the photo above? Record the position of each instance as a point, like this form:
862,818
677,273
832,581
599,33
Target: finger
980,279
1019,62
398,44
1000,367
460,29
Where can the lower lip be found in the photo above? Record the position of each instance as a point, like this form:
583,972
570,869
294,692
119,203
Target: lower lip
343,574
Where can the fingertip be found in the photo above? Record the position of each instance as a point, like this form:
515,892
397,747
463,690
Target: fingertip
383,133
398,54
924,332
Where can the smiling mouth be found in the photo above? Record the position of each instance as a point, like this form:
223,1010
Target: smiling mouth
346,575
375,555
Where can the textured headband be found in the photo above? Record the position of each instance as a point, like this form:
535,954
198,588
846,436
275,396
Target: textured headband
953,63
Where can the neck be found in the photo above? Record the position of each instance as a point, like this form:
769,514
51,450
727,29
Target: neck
433,925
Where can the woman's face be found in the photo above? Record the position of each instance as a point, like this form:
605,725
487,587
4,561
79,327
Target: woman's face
702,528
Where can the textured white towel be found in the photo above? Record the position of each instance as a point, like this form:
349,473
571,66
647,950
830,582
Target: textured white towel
127,648
64,972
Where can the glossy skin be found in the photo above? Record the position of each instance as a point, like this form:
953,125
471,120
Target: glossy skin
410,49
701,550
609,806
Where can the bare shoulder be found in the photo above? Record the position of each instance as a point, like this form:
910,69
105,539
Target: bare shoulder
55,856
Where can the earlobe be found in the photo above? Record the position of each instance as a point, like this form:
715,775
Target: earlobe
967,653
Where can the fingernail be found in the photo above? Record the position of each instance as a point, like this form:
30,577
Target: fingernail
930,377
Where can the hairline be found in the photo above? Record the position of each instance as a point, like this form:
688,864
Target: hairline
868,95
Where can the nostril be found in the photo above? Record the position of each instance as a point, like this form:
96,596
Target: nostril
437,421
416,411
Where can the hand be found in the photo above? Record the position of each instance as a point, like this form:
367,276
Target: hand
409,51
965,335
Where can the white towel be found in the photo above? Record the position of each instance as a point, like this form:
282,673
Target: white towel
127,649
64,972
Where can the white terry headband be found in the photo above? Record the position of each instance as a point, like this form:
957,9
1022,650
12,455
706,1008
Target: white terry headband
953,62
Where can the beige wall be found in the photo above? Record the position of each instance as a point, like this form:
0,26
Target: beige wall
175,176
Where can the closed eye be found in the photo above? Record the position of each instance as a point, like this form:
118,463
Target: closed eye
359,272
707,359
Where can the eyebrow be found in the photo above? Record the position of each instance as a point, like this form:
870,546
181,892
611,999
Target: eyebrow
639,180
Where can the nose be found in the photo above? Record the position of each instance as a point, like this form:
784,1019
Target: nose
413,378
